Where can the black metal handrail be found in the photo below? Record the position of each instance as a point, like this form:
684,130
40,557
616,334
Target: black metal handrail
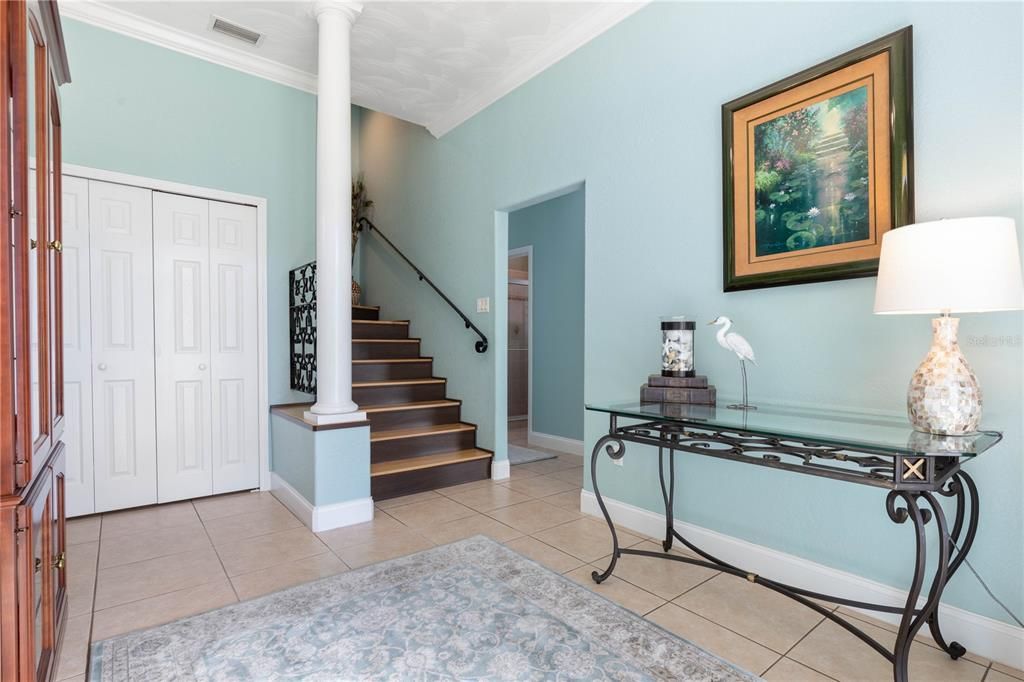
481,345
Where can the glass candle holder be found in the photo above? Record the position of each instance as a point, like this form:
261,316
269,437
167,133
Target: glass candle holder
677,347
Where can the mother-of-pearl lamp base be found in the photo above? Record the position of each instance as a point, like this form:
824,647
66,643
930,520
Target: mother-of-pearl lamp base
944,396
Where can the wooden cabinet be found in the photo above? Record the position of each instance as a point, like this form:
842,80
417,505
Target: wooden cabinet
33,581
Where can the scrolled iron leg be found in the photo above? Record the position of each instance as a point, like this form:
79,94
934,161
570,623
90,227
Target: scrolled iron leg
913,619
962,487
615,449
668,494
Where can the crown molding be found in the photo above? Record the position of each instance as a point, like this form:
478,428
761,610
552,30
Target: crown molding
134,26
568,42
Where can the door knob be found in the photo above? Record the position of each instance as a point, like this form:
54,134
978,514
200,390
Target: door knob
101,367
202,366
55,245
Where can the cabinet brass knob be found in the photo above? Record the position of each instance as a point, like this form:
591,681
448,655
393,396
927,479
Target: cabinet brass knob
32,243
56,245
60,562
39,562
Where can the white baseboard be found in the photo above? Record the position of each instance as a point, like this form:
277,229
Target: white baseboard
981,635
324,517
500,470
560,443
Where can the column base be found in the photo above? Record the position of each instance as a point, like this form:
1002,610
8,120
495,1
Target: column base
339,418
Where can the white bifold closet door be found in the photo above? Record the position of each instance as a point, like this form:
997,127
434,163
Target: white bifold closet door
206,355
78,416
121,293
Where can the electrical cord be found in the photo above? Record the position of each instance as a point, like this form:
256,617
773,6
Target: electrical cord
985,586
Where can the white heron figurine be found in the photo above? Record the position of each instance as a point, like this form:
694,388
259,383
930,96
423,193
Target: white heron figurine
732,341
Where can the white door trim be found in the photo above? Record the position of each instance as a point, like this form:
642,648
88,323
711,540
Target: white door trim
528,252
260,203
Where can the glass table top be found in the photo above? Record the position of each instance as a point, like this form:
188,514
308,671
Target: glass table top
848,429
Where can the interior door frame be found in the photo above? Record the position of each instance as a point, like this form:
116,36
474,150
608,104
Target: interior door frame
260,204
528,252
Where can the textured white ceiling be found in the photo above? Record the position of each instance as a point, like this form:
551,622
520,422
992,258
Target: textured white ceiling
432,63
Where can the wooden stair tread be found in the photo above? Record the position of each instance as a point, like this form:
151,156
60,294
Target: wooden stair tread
405,322
412,432
366,307
420,405
398,466
385,340
397,382
372,361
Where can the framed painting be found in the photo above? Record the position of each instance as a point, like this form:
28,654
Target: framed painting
817,167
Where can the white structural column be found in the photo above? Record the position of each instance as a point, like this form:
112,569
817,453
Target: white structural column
334,215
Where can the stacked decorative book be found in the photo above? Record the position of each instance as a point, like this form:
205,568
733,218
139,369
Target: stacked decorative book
693,390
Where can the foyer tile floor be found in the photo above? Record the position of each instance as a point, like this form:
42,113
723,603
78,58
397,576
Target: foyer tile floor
138,568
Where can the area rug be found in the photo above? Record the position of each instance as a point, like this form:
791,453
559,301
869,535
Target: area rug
472,610
520,455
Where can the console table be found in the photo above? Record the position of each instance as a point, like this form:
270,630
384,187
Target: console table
913,468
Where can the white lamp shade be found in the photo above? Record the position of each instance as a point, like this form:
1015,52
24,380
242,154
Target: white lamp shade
968,265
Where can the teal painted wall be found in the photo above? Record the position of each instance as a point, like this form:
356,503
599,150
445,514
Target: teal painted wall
635,115
555,229
326,466
140,109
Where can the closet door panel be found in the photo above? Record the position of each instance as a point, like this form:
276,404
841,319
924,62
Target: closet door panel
77,347
234,307
121,273
182,293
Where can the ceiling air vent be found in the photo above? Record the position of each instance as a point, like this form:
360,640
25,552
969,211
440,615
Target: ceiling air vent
246,35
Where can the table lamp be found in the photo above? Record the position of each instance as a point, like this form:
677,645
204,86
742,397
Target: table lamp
966,265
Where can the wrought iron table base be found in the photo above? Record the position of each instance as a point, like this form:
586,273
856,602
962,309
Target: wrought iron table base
920,507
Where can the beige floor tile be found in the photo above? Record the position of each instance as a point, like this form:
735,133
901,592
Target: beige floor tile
81,577
467,527
834,651
996,676
81,558
1007,670
757,613
430,512
263,551
462,487
543,554
161,609
666,578
619,591
570,500
148,519
74,650
240,526
573,475
549,466
380,527
85,529
923,635
132,582
787,670
585,538
407,499
533,516
488,498
219,506
714,638
282,576
76,678
139,546
518,472
401,542
539,486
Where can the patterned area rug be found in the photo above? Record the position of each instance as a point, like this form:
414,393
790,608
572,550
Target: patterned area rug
520,455
473,609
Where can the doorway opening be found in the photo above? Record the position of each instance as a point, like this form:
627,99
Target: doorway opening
545,317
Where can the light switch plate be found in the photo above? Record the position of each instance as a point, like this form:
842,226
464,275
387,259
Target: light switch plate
483,305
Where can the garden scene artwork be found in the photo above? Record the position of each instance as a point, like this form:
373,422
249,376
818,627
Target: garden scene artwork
811,176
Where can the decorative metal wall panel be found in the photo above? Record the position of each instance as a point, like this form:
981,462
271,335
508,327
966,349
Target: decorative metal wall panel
302,315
